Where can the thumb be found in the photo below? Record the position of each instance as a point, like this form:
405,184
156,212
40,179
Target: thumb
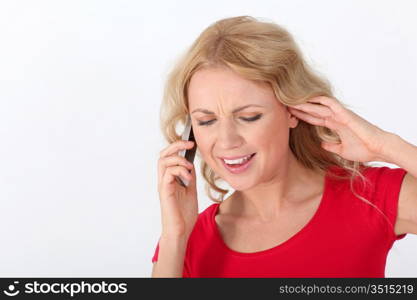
192,182
193,179
332,147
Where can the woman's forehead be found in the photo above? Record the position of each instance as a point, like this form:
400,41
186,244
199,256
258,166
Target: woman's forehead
210,86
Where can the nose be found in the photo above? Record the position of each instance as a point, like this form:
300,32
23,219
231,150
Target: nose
228,135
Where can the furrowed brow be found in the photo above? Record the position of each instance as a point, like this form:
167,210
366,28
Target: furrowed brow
234,111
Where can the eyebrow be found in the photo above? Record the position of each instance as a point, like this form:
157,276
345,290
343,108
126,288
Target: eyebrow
234,111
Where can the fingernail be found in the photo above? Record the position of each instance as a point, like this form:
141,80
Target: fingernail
186,182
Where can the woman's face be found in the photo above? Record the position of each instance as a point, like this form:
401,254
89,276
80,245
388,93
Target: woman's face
214,93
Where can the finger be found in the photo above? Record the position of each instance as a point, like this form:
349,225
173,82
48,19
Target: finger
332,147
192,182
313,120
327,101
173,160
175,147
341,113
316,110
172,172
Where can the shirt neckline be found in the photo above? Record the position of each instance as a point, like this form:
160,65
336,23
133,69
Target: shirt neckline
280,246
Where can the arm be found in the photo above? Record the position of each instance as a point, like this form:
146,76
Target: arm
403,154
170,257
362,141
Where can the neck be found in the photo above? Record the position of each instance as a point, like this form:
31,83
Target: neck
291,186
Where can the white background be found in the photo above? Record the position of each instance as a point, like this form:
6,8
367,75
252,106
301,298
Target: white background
80,91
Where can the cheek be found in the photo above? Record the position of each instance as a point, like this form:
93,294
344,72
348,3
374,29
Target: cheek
273,142
273,132
203,143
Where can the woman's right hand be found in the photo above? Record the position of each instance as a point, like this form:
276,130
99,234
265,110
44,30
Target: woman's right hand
179,205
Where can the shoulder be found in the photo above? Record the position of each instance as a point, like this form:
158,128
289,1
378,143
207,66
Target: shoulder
372,174
208,210
385,181
205,216
377,184
382,186
379,172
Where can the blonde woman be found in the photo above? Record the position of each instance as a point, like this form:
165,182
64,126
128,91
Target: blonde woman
306,201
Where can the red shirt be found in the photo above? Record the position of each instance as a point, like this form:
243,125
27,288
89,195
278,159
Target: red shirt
346,237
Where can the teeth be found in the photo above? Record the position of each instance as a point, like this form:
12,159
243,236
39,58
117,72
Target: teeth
237,161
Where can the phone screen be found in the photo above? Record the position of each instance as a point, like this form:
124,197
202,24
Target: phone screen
189,154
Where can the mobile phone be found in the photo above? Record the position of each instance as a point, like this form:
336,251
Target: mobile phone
189,154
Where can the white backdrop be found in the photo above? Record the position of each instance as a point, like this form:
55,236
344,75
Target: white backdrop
80,91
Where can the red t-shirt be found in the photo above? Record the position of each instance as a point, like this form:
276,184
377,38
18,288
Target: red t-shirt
346,237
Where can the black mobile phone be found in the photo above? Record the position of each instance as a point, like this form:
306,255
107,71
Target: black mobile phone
189,154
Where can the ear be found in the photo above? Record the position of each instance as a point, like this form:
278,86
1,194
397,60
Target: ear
292,120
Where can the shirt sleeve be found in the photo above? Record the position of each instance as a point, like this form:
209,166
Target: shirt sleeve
155,255
386,194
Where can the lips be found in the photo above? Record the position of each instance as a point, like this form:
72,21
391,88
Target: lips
235,157
236,169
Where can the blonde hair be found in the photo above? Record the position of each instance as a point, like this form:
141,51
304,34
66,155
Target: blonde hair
266,52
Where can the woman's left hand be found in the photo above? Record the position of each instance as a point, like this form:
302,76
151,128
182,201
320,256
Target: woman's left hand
359,139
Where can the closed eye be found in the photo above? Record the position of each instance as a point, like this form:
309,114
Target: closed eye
245,119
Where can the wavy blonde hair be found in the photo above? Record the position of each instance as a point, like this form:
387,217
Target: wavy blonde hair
258,51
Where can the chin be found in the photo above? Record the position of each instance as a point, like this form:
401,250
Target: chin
240,186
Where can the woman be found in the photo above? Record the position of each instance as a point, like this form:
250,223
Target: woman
305,203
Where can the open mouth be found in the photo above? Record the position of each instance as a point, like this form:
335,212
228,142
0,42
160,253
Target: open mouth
239,167
242,163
